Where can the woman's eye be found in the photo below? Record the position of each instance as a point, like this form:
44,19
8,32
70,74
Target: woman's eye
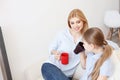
78,21
72,22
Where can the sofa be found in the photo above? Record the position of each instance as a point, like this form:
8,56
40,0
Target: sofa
32,72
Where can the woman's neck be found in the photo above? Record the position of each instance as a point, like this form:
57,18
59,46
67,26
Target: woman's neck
76,35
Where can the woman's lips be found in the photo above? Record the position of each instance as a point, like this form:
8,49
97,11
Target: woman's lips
77,28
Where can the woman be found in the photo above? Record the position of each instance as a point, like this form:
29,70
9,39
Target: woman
65,41
98,63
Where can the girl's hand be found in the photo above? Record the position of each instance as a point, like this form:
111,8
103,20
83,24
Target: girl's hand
83,60
101,77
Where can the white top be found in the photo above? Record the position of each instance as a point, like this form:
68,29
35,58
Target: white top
64,42
106,69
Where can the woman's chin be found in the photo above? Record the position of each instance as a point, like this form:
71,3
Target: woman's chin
77,30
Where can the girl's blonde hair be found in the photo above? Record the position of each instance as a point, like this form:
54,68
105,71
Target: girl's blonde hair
79,14
96,37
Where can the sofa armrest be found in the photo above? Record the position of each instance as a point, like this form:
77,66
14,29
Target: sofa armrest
33,72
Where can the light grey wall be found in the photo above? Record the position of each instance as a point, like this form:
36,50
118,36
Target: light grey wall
30,25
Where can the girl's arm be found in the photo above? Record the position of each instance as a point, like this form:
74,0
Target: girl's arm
101,77
83,59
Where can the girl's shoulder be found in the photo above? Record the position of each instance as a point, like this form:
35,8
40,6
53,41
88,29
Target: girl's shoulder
106,68
107,62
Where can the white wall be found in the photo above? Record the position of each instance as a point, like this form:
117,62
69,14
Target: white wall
30,25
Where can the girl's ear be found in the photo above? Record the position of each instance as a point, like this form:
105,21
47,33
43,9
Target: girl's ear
92,46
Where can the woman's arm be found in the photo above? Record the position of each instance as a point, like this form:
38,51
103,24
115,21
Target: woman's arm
101,77
83,59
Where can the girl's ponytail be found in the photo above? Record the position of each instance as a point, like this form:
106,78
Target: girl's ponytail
106,54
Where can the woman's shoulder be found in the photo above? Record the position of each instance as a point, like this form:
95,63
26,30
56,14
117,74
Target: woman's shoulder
60,33
63,32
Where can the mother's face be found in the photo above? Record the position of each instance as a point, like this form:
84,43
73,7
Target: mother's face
76,24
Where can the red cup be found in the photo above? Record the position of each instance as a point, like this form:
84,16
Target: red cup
64,58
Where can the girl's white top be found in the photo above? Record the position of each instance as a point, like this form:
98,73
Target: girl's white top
106,68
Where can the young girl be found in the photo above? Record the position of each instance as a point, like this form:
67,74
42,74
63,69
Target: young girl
98,52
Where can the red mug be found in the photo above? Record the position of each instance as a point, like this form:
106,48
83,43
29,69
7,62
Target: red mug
64,58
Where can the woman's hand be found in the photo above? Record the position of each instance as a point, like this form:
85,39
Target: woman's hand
56,54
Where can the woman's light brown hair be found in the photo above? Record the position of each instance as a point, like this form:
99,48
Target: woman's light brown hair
95,36
79,14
